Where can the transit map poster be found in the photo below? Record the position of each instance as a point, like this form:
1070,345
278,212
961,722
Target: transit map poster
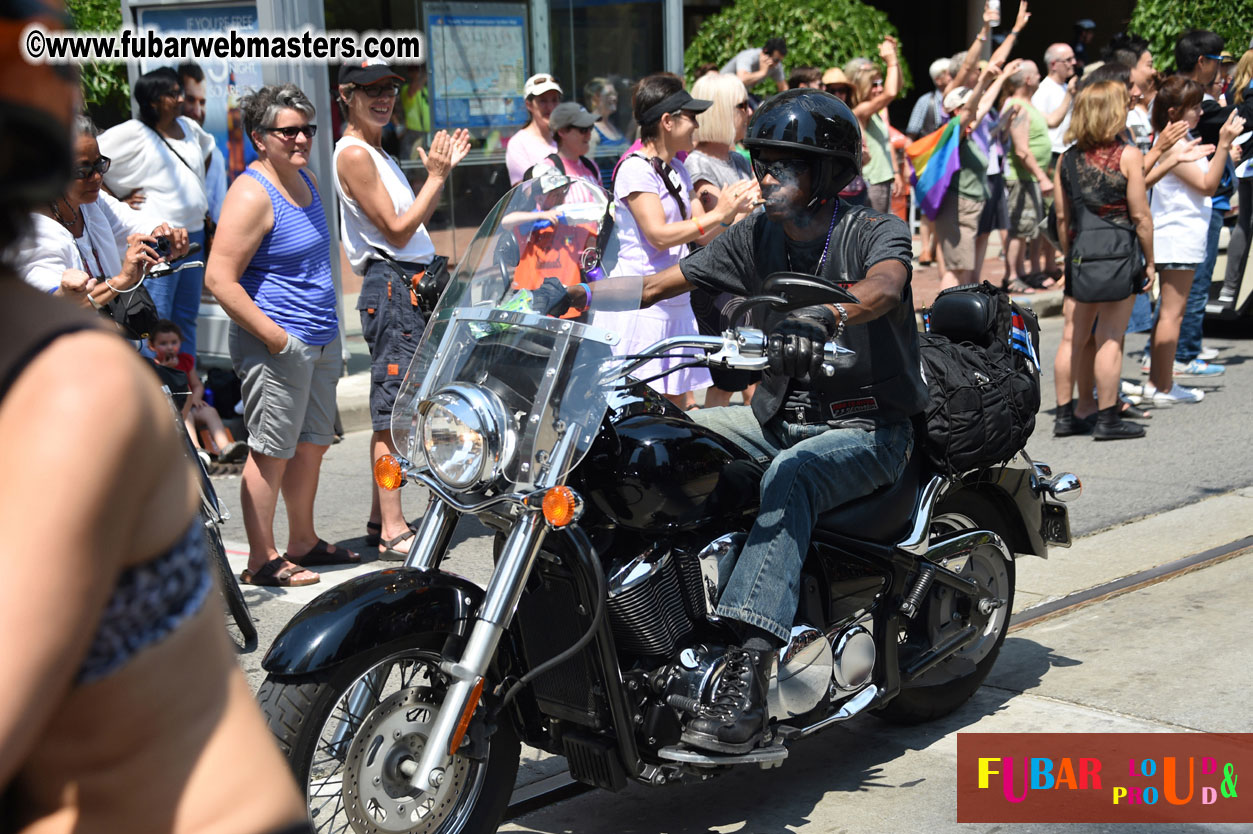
476,64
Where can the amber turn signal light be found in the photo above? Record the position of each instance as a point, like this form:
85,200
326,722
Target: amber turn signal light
388,474
468,713
561,506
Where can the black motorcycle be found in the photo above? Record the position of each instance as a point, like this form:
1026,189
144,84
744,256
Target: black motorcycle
401,697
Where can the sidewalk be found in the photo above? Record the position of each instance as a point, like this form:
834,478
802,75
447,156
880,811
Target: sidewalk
353,393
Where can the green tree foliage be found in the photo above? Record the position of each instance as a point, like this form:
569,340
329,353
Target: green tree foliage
820,33
106,92
1161,22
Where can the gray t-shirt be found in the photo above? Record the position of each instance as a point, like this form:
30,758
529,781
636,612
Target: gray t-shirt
717,172
750,61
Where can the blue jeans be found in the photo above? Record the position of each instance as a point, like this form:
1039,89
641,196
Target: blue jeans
178,296
1194,313
1142,317
812,469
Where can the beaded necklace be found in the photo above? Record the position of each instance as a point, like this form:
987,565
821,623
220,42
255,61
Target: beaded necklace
821,261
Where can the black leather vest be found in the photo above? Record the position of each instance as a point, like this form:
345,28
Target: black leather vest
883,382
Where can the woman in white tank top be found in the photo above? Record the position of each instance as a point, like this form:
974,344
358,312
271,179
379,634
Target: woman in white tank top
382,228
1180,203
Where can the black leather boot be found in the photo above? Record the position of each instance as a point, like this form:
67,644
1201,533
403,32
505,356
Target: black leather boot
1111,426
1066,424
736,720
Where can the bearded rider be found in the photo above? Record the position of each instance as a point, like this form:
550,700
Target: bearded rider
828,440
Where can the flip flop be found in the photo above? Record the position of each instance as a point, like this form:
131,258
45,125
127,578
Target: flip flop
321,554
1017,286
391,554
273,575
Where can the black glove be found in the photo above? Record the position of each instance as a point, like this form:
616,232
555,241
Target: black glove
550,298
797,347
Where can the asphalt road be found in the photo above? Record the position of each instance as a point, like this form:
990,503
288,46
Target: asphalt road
1119,666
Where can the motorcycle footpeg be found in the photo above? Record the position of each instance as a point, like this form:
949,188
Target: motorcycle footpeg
769,756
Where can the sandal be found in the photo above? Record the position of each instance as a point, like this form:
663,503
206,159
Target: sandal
391,554
323,554
1133,412
273,575
1016,286
373,532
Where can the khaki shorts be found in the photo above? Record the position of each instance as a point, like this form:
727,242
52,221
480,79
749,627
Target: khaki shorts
957,226
289,396
1026,209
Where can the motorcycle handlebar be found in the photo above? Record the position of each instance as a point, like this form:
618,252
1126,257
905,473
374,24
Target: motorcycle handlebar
740,349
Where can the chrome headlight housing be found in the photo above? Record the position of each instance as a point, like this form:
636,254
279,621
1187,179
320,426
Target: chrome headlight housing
466,435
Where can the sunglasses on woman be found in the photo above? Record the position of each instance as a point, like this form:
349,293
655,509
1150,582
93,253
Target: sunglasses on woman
290,133
376,90
100,166
743,105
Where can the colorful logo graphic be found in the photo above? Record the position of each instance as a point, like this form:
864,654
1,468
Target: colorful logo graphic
1103,777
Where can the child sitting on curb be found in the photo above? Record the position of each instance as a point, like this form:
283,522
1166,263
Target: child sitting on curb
166,341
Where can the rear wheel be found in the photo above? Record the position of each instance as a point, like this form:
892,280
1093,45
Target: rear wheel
945,612
347,735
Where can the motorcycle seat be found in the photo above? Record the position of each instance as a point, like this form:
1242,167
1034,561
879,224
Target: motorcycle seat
884,515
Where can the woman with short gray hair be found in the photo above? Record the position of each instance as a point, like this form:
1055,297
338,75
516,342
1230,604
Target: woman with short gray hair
270,269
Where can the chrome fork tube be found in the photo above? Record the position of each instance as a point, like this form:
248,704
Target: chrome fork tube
431,539
504,591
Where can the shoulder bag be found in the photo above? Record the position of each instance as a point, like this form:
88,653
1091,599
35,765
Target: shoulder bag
1105,261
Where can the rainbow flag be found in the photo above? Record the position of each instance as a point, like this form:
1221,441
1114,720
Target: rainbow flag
934,160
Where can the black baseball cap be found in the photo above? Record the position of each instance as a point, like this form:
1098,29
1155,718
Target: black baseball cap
369,71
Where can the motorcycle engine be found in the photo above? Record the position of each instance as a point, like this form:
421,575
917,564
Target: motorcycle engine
654,601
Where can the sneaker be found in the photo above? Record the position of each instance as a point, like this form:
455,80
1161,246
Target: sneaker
1132,389
1176,394
1145,364
1227,300
1207,354
1198,367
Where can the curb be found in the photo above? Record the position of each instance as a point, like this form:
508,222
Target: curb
353,392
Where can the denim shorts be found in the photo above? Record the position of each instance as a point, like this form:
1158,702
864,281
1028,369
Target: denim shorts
289,396
1173,267
392,326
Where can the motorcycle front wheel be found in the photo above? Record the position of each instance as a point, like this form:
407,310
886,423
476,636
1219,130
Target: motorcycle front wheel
954,681
347,733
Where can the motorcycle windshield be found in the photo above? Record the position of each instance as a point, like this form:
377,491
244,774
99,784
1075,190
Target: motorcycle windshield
500,397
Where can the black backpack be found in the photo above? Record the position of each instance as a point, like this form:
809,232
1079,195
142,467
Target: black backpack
980,360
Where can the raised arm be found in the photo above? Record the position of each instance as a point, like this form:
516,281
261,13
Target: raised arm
965,75
1001,55
1058,115
891,83
1208,181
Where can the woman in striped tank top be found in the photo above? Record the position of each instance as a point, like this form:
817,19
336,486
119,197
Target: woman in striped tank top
271,271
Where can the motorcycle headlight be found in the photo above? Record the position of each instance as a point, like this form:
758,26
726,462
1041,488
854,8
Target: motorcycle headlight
465,435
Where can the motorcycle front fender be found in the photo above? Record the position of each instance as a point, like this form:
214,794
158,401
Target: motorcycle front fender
370,612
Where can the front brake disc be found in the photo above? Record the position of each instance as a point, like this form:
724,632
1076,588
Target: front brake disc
378,798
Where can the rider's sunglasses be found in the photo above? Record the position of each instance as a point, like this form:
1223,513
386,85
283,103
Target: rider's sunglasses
290,133
100,166
783,170
376,90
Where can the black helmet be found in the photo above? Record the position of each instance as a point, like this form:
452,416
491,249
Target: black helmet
815,123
